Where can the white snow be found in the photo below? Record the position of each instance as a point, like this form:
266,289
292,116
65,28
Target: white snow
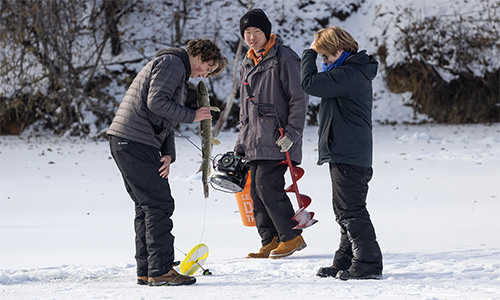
66,222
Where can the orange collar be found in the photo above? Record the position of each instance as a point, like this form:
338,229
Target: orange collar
251,53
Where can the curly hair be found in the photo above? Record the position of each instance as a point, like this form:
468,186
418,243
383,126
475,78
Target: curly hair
334,39
209,52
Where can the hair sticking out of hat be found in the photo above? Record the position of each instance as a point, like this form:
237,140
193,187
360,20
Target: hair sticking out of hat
255,18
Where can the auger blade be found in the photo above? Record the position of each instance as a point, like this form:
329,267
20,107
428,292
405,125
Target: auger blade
304,218
297,172
304,201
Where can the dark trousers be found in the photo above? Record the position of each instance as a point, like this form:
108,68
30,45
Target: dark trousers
154,205
358,251
272,208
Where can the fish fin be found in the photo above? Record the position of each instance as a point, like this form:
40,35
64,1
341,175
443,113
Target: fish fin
214,108
215,142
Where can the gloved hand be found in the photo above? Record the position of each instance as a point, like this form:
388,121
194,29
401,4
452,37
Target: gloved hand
285,143
237,151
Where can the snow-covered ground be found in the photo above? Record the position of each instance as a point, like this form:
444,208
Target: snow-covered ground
66,227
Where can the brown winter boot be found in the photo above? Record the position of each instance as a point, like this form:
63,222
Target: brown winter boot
288,248
265,250
142,280
171,278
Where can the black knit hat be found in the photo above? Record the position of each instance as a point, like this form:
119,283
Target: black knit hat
255,18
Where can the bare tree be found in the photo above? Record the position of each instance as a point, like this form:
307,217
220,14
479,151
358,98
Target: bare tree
52,50
230,98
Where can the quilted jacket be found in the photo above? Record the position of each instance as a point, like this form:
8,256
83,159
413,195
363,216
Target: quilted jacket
154,102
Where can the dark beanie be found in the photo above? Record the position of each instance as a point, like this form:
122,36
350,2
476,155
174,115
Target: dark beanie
256,18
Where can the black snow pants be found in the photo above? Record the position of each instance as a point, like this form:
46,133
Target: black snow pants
154,205
272,208
358,251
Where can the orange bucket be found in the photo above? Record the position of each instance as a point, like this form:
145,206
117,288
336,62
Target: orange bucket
245,204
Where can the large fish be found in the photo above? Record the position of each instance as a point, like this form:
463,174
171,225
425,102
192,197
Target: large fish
207,140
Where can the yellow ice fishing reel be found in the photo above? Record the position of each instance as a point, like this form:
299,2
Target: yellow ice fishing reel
194,260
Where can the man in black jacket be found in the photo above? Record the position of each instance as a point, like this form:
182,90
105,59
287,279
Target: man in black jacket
142,144
345,142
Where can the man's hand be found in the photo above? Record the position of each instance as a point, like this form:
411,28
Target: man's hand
202,113
285,143
165,167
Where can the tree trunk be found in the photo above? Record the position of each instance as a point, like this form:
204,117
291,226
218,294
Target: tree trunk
230,98
110,10
229,102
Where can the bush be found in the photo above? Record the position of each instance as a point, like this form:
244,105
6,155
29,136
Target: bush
449,64
465,99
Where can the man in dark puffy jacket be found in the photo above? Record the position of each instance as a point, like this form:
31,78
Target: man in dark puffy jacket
142,144
345,142
272,72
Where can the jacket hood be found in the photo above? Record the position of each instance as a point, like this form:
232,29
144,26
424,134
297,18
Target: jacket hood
367,64
182,54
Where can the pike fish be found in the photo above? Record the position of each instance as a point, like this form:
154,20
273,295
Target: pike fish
207,140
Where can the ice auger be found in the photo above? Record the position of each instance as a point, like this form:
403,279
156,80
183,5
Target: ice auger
302,216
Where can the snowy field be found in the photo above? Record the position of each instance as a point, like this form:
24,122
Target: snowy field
66,222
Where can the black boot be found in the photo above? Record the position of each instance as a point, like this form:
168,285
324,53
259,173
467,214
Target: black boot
346,275
327,272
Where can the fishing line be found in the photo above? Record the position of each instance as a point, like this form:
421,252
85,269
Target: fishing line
204,218
212,159
185,254
205,209
192,143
